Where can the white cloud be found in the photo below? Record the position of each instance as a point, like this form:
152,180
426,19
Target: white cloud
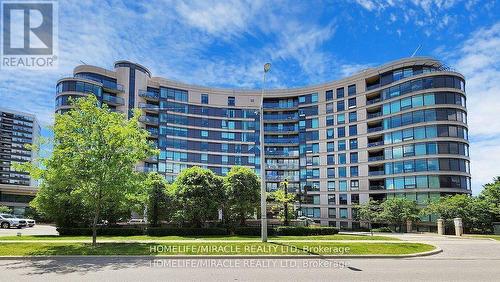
478,59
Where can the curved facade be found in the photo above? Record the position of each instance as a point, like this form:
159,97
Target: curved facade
398,130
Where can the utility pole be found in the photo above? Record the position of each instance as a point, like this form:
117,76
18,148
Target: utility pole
263,192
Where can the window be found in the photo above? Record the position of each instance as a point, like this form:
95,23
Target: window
353,116
329,95
231,101
351,89
330,160
340,92
204,98
340,118
329,133
204,158
341,145
341,132
342,158
343,214
331,211
314,123
342,172
331,185
351,103
354,158
331,199
330,147
330,172
353,144
354,199
353,170
353,130
329,120
354,184
314,97
329,108
340,106
204,133
343,200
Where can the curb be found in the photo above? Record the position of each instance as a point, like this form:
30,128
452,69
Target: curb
422,254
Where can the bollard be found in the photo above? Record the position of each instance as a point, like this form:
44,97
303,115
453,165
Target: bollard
459,229
440,223
409,226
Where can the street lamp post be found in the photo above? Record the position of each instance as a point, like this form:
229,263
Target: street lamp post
263,192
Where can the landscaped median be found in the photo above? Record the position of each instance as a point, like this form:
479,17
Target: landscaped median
329,245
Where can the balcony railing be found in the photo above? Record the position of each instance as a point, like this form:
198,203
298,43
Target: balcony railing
113,100
374,115
151,120
268,140
374,144
282,166
375,158
375,129
146,106
153,132
376,187
281,178
146,169
281,117
373,101
149,95
282,153
376,172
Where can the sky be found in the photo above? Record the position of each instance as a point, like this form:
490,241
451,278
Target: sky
226,43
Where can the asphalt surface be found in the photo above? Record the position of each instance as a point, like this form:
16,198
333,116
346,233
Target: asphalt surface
461,260
38,229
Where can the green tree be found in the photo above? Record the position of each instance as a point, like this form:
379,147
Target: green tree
491,196
158,200
368,212
284,201
91,169
5,209
243,194
397,211
198,195
474,212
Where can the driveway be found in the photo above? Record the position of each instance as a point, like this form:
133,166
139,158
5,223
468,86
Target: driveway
38,229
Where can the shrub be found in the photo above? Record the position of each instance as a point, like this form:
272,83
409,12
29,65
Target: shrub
114,231
161,231
253,231
305,231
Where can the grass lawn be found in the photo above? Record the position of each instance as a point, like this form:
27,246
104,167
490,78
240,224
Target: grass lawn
491,236
167,238
211,248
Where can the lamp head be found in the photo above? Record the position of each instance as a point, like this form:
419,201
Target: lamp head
267,67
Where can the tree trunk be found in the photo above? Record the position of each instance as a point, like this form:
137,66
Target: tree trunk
286,214
94,228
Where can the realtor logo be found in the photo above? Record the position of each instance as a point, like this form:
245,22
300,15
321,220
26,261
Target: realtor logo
29,34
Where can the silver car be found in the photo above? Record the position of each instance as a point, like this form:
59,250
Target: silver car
8,221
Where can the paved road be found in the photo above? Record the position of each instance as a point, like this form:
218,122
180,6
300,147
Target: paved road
462,260
38,229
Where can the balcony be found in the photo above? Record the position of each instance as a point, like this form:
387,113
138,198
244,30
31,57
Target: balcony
280,178
281,117
376,187
282,166
376,172
113,100
375,129
153,132
374,144
376,158
373,115
145,169
281,154
373,101
148,95
113,88
284,141
149,120
149,107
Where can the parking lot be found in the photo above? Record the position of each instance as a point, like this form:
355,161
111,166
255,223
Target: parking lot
41,229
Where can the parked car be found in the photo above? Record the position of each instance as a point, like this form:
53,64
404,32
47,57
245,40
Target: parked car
8,221
136,221
29,222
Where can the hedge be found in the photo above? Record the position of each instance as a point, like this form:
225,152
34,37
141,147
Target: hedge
161,231
110,231
212,231
305,231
